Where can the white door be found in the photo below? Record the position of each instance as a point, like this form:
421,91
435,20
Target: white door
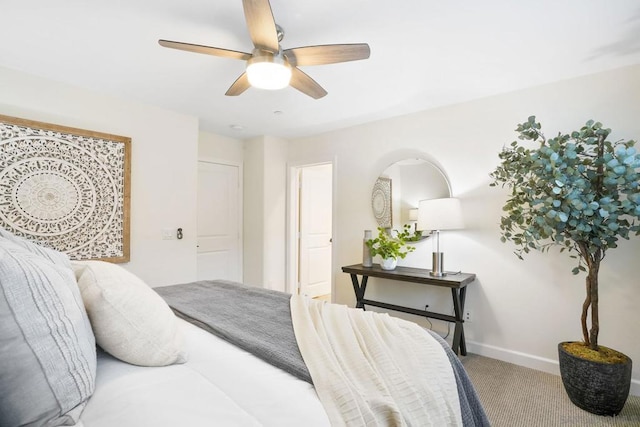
315,230
219,220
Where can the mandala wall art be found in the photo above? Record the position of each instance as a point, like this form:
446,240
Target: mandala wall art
381,202
66,188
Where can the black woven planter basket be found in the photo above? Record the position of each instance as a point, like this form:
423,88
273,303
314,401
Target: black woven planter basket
599,388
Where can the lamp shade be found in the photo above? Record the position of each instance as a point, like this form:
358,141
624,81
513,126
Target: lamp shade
413,214
440,214
268,71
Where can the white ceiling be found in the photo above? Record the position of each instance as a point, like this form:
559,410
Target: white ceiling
424,53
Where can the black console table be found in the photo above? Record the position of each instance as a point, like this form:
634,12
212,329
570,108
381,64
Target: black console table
457,282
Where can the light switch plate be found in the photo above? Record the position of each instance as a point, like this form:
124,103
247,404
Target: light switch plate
168,234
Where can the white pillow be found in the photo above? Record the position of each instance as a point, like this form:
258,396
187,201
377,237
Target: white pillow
130,321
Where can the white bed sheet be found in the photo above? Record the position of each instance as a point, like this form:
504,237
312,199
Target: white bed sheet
220,385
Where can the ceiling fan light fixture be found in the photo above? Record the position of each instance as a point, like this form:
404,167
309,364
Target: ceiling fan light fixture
270,67
268,71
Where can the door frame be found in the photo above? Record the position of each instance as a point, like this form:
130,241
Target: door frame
291,265
240,208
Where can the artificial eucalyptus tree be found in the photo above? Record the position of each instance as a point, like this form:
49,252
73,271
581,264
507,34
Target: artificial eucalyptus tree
578,190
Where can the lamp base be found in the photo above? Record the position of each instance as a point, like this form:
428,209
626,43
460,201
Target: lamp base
437,270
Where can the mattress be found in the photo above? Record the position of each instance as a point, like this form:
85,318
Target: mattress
219,385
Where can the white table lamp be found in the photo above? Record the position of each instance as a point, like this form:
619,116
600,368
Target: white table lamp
413,217
436,215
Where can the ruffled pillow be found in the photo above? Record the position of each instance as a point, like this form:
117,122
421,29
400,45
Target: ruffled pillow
47,348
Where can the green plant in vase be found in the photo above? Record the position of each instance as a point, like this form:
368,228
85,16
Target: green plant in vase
391,247
582,192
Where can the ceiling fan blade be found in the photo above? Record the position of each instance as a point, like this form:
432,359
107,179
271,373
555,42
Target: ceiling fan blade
327,54
305,84
240,85
207,50
261,25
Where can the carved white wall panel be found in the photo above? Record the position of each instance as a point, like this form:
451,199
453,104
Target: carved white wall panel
67,188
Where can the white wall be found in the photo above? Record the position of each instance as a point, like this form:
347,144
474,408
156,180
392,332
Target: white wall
221,148
253,202
275,185
163,159
521,309
264,212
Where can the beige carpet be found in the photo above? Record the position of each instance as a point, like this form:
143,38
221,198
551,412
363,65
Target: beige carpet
514,396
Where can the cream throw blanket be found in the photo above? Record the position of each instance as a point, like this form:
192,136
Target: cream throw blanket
370,369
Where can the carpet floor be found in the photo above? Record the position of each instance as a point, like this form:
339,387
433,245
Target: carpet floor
514,396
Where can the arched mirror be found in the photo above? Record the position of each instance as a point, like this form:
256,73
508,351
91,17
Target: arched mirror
400,187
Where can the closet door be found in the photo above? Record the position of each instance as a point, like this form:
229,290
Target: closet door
219,222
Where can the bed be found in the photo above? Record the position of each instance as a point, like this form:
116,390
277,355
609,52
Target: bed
219,385
214,364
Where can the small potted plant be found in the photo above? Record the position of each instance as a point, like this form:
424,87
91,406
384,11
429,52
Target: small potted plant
391,247
581,192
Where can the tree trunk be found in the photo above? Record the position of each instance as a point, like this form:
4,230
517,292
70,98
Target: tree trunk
592,286
584,253
585,313
593,260
591,301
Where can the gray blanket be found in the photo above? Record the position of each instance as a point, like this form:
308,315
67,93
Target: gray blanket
259,321
255,319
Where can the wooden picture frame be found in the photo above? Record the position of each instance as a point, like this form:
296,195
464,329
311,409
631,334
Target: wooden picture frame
66,188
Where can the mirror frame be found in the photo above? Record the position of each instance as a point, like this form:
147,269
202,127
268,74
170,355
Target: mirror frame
382,197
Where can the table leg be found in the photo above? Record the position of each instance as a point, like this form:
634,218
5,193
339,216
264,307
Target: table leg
459,345
359,289
463,342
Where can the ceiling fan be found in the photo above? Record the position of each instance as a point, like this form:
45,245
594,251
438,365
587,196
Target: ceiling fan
270,67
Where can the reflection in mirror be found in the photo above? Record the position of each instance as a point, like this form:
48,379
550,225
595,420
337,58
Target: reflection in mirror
399,189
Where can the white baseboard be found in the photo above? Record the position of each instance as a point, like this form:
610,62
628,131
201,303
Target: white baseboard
528,360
